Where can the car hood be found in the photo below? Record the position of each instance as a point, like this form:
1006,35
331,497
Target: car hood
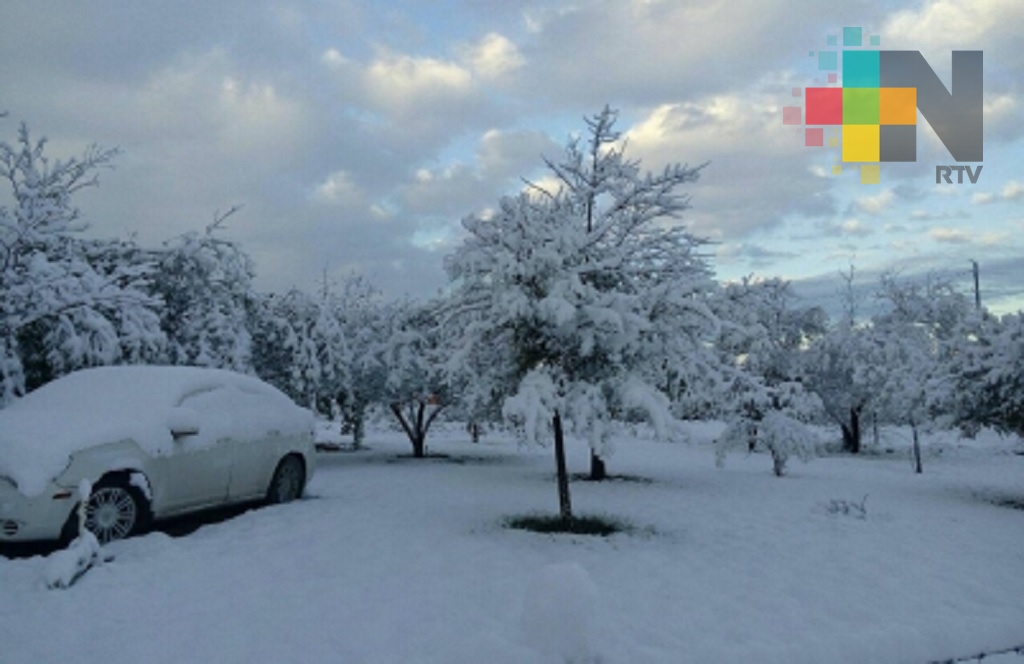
42,430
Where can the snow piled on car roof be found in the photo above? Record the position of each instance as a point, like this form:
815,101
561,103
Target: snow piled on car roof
40,431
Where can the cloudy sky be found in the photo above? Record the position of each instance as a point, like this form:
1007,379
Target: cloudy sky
356,134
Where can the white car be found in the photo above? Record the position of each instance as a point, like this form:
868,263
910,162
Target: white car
151,442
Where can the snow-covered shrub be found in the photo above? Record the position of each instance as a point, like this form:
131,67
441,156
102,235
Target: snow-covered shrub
771,426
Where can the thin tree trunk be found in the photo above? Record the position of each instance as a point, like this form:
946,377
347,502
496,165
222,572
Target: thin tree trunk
564,500
917,449
855,428
358,426
598,471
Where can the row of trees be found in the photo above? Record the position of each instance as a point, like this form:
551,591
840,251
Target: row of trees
569,311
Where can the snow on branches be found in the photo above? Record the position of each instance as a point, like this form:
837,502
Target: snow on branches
583,296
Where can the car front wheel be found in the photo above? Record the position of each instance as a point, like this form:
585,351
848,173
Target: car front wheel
288,481
113,511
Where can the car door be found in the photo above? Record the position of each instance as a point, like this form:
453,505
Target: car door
197,471
257,452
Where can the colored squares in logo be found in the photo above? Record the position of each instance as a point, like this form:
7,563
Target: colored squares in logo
852,36
870,174
814,137
791,115
897,143
860,142
828,61
898,106
876,40
824,106
860,106
832,40
861,69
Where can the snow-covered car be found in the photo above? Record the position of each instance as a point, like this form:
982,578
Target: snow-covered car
152,442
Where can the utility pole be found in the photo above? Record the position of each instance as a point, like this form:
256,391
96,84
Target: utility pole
977,285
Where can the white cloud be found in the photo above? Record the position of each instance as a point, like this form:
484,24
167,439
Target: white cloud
943,24
983,198
202,95
876,204
750,152
402,82
494,56
949,235
339,189
1013,190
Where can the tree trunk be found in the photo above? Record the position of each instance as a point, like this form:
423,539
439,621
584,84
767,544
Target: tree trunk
917,449
851,432
416,424
419,447
564,500
598,471
358,426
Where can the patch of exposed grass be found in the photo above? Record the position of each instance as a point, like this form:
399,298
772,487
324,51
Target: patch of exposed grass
600,526
611,479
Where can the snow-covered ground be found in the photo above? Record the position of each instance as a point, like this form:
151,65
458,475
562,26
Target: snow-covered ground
394,560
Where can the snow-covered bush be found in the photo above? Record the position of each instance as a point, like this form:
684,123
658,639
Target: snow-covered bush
779,434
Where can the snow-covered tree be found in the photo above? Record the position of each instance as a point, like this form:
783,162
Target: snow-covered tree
365,319
298,345
205,282
981,382
64,305
415,387
918,323
762,329
837,368
585,296
769,415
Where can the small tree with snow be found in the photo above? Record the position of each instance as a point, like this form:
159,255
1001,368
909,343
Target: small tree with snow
769,418
584,295
415,389
918,322
365,320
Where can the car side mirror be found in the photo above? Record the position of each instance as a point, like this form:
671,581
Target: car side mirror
183,422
